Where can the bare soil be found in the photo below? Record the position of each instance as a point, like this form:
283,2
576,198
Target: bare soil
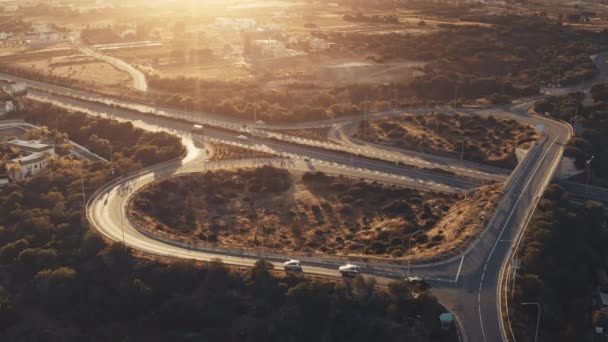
310,213
488,140
71,64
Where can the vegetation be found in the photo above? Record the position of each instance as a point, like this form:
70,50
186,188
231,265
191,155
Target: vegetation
222,151
60,281
510,58
591,123
562,248
481,139
132,148
315,213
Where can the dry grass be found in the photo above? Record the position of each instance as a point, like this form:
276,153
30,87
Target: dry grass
489,140
231,152
311,214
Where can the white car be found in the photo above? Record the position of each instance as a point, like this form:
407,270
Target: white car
412,279
349,270
260,122
242,137
197,127
292,265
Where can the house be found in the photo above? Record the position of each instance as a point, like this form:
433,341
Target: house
14,88
33,163
6,107
5,35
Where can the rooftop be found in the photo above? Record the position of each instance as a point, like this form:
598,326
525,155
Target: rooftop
30,159
31,145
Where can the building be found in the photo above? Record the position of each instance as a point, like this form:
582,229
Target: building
14,88
5,35
6,107
31,164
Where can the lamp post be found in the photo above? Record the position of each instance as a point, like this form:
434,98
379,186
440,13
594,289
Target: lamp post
537,318
409,249
462,150
588,165
111,160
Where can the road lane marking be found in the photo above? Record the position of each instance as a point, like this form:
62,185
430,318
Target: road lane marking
459,268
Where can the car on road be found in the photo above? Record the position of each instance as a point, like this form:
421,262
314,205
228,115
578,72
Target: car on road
412,279
242,137
197,128
292,265
260,122
306,159
349,270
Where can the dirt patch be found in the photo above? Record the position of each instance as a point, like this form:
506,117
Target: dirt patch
488,140
72,65
309,213
231,152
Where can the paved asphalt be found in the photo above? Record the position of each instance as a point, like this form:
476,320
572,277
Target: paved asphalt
466,283
139,79
585,192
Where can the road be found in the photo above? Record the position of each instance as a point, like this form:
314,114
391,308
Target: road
416,178
585,192
466,283
139,79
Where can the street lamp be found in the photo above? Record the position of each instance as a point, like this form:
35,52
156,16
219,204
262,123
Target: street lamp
111,160
409,249
462,150
588,165
537,318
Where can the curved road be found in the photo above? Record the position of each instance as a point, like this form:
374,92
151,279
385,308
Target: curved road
139,79
466,283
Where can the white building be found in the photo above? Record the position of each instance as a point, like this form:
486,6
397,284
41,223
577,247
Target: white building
5,35
33,163
6,107
15,88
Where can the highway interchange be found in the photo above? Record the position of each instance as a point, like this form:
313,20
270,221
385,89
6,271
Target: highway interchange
468,283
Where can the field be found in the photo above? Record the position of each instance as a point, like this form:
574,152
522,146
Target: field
71,64
488,140
310,213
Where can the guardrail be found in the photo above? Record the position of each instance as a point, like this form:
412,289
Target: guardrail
502,295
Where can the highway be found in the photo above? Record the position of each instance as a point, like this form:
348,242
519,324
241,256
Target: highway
467,282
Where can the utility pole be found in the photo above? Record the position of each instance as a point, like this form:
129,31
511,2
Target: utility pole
111,160
365,114
84,197
462,151
409,250
537,318
588,165
396,98
122,227
436,131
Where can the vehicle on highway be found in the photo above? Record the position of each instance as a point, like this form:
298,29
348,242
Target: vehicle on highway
197,128
306,159
292,265
242,137
413,279
260,122
349,270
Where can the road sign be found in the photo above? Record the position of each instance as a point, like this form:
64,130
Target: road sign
540,127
